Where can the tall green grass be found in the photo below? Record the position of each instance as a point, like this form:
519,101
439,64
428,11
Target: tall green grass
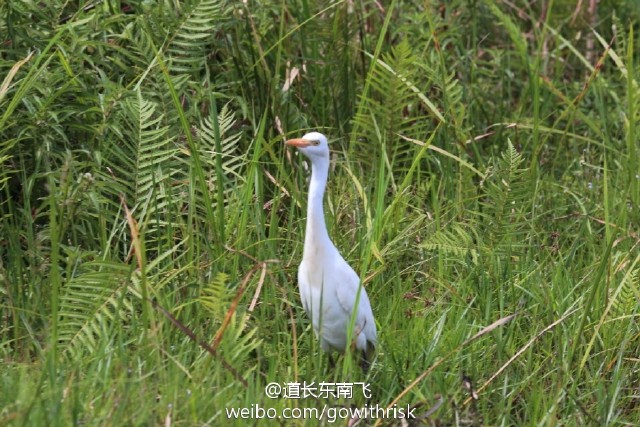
484,184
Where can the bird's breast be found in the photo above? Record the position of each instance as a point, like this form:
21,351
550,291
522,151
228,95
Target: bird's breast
312,273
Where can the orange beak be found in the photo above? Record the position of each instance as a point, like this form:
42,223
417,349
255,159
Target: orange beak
298,142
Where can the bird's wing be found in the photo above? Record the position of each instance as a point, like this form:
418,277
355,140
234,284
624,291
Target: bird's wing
347,291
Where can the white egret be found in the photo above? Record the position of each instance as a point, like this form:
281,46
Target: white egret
328,285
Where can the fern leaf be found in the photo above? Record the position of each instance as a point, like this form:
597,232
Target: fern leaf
233,160
189,43
508,191
456,242
216,297
90,303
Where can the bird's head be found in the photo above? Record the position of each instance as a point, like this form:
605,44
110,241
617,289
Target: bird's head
314,145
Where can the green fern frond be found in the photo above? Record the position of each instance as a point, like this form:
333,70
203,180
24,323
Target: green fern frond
629,298
153,148
91,302
514,33
403,236
507,195
233,160
216,296
394,105
143,164
504,200
457,242
140,158
190,42
238,339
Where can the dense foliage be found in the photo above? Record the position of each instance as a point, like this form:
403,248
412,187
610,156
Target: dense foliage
486,170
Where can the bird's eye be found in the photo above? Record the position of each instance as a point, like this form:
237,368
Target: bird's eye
315,142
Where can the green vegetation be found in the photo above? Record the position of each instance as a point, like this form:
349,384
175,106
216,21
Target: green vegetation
486,187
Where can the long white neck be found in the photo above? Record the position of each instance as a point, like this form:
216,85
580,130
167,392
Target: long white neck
317,239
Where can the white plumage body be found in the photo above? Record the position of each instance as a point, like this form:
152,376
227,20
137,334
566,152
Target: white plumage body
328,285
328,289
